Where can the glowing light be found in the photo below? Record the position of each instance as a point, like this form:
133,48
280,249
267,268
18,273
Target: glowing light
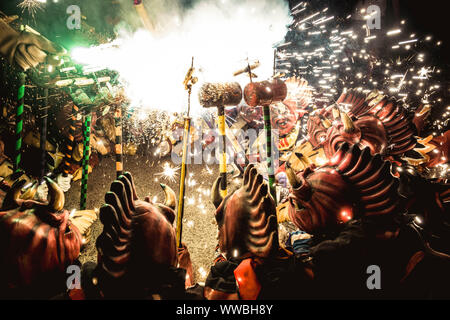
408,41
394,32
346,215
152,67
169,172
202,272
27,186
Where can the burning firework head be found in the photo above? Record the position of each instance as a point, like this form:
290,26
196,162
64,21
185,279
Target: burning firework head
265,92
220,94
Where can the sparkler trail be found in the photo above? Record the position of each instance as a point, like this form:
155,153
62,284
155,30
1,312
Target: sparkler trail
335,54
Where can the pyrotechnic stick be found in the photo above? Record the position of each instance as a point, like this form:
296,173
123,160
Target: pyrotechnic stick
187,124
220,95
71,143
264,94
189,81
140,9
222,151
119,146
19,121
85,161
43,136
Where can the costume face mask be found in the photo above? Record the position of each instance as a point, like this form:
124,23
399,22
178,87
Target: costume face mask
317,130
384,111
37,240
353,184
247,218
138,240
283,118
376,122
365,132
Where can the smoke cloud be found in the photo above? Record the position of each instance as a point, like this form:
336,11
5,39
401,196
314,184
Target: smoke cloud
219,34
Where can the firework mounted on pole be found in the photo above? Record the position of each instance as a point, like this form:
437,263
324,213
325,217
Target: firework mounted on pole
188,82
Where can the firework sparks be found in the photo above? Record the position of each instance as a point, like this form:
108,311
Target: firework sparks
248,29
169,172
32,6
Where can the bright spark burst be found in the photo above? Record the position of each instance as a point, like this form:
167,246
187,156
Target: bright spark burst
169,172
332,56
152,67
32,6
424,73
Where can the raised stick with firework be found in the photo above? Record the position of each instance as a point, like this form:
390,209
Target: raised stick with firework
220,95
264,94
188,82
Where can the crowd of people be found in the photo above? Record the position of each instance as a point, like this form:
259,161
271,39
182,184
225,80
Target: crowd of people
359,195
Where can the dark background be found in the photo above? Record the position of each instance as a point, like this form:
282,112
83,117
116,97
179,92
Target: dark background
422,16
